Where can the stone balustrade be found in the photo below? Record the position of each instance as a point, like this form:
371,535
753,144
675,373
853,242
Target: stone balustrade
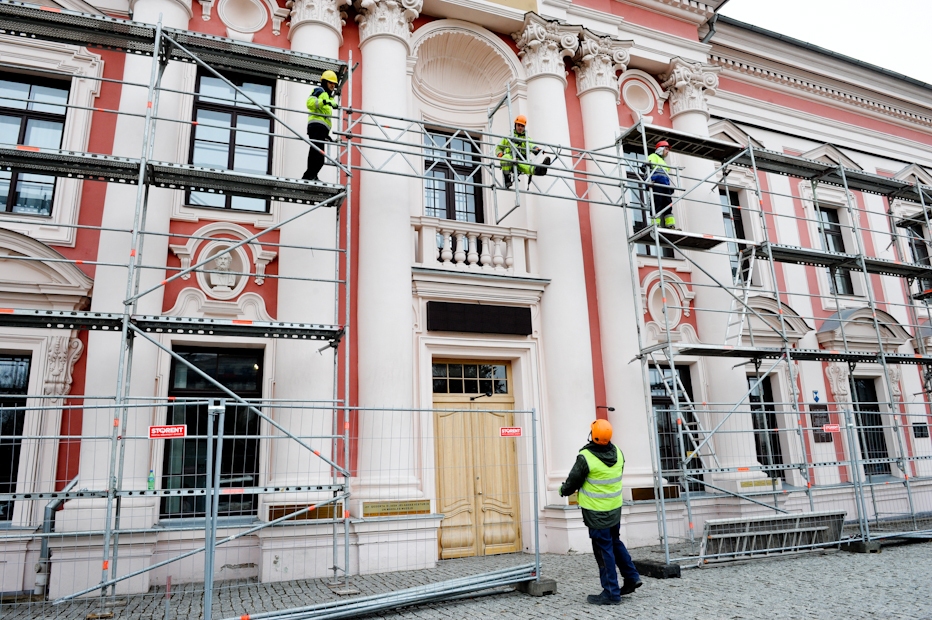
473,248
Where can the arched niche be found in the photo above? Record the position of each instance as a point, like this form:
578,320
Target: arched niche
859,331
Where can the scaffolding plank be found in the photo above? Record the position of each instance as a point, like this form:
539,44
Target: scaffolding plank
199,178
782,163
227,327
98,31
60,319
680,142
804,355
70,164
824,258
865,181
680,239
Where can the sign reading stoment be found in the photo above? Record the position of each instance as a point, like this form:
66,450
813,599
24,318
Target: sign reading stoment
171,431
831,428
510,431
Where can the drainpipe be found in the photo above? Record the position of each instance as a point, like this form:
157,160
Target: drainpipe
48,522
711,23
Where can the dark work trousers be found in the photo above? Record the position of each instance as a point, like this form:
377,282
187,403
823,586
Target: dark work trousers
663,197
319,135
610,552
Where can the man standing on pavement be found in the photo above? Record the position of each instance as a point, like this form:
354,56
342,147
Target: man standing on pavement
661,186
597,476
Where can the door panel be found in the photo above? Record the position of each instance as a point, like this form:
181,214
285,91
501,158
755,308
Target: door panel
496,476
455,485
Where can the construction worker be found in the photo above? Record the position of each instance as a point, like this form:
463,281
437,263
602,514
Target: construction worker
320,106
519,149
597,476
662,187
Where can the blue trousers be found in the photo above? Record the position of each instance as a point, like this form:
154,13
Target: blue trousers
611,552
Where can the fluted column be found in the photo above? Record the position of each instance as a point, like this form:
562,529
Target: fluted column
300,372
569,398
384,309
689,85
597,63
110,286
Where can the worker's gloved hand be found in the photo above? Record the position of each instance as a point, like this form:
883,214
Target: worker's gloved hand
561,491
537,150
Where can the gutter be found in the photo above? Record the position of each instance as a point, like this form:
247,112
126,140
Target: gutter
711,23
43,566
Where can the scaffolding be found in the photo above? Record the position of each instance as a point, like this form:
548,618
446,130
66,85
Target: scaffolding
372,142
701,431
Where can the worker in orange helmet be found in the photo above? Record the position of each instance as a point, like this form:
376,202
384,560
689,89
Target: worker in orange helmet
661,185
518,149
596,475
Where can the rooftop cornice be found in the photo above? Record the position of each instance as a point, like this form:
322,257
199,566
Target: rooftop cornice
742,69
690,11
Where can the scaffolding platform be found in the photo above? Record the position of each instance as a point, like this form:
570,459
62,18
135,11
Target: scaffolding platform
804,355
30,21
680,142
112,169
824,258
681,239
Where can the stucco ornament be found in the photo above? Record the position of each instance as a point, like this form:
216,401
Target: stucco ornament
64,351
543,45
329,12
688,84
598,62
837,374
387,17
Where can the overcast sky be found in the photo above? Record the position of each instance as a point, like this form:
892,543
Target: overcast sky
893,34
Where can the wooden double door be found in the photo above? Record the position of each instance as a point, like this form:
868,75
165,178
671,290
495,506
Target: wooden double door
476,468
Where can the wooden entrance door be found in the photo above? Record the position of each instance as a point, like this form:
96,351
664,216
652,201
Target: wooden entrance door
477,478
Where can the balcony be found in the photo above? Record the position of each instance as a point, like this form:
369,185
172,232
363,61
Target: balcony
474,248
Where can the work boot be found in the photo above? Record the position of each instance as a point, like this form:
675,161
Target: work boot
541,171
601,599
630,586
509,179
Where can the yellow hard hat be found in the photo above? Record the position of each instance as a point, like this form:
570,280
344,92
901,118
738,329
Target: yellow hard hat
601,432
329,76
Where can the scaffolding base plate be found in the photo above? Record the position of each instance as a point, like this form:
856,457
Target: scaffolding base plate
859,546
541,587
657,570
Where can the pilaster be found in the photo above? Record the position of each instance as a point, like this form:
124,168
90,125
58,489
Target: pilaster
598,62
543,44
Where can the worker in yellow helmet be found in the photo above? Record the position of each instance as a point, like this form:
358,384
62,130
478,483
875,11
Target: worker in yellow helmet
516,151
320,107
596,475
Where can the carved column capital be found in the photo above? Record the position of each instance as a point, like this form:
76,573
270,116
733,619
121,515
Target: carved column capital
543,44
387,18
598,62
688,84
327,12
63,352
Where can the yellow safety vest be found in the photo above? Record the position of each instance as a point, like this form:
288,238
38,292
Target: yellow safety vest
602,489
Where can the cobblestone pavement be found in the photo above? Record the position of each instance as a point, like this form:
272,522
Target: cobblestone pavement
827,584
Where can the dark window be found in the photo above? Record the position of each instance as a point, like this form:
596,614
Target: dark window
870,427
734,228
818,416
478,318
453,189
766,431
231,134
833,241
14,383
32,113
662,385
639,203
470,378
919,251
185,460
920,430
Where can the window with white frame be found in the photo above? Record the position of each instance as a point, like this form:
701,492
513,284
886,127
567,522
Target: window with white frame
14,381
231,133
833,240
734,228
918,250
453,189
32,113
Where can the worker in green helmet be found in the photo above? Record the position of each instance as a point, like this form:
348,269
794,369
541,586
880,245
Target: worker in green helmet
320,107
596,476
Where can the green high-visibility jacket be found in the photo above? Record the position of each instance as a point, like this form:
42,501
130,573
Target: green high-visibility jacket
602,489
657,164
517,147
320,106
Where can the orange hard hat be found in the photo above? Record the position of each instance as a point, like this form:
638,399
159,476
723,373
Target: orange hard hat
662,143
521,120
602,432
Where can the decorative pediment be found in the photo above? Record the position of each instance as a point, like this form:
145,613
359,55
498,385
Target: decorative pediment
859,332
727,131
914,173
831,155
29,283
766,327
193,302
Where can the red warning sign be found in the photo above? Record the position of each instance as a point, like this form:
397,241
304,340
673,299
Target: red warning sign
831,428
510,431
171,431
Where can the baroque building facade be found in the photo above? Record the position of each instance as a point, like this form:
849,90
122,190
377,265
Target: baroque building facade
581,72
